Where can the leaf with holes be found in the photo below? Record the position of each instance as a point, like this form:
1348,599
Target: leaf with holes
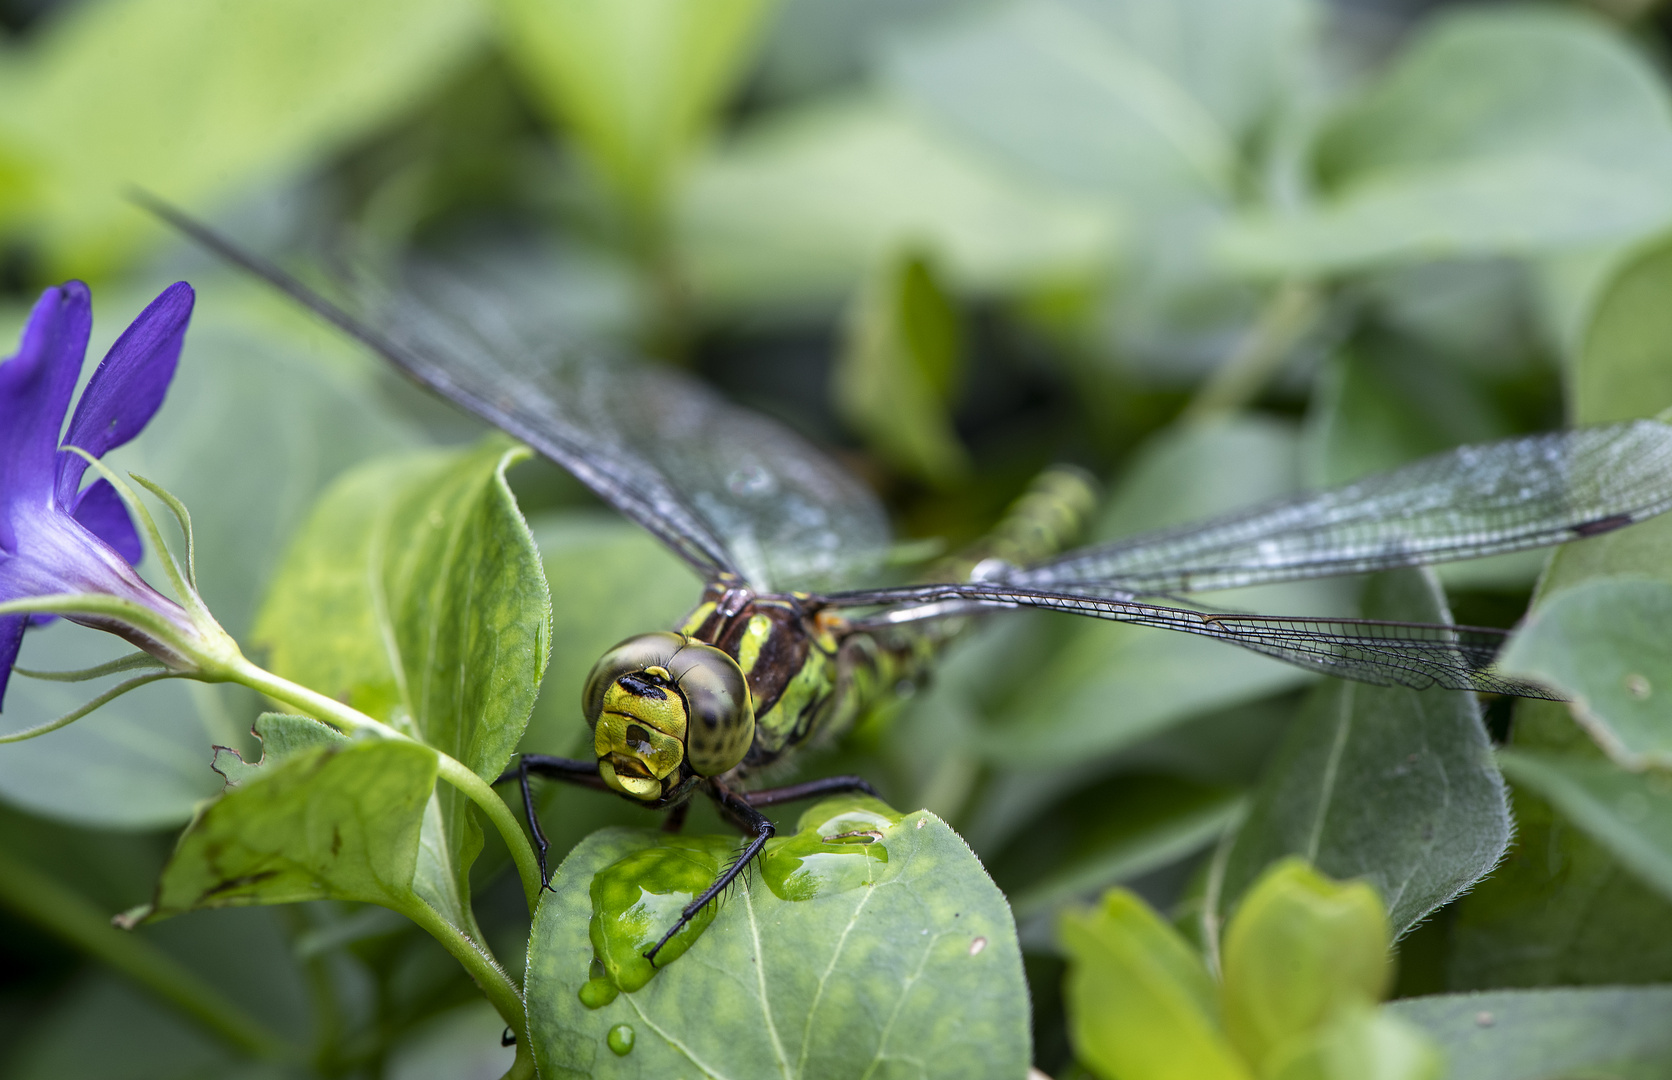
837,959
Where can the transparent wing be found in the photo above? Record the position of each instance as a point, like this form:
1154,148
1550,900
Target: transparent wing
725,488
746,493
1462,504
1417,655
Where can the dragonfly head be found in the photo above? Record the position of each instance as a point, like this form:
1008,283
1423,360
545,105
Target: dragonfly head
661,706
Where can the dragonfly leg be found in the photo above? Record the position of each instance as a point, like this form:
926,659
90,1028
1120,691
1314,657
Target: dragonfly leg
735,807
584,773
675,820
829,785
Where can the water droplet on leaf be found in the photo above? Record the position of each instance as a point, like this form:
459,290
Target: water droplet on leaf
621,1039
637,898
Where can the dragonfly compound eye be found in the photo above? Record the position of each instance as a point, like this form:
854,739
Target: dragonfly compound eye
721,721
658,700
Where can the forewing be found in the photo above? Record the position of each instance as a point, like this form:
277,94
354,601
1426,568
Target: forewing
1465,503
742,491
1417,655
726,489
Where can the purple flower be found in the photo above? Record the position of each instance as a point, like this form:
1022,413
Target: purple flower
56,536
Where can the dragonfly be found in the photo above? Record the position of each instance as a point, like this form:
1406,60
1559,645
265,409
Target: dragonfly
785,646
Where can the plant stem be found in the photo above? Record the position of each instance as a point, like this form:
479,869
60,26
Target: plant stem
1288,315
346,718
501,992
73,917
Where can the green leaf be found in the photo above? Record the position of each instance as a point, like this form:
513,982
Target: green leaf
1602,644
1517,130
415,592
333,822
1593,920
196,99
1615,1032
1141,99
1561,909
899,369
282,736
907,966
1628,813
637,81
1301,950
1362,1043
1386,783
1141,1004
1100,686
805,204
1622,373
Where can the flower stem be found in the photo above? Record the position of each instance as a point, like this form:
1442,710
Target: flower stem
347,719
501,992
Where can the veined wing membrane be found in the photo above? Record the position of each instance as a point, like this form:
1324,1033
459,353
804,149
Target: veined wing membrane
724,488
759,500
1462,504
1417,655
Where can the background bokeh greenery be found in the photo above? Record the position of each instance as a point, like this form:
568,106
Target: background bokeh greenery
1212,250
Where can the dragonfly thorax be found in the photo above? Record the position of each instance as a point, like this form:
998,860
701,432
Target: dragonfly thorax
664,708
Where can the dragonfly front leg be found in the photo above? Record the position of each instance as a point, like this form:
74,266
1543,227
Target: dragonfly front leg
584,773
753,822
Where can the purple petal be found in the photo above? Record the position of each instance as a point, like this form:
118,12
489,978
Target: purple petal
129,385
11,638
35,389
102,511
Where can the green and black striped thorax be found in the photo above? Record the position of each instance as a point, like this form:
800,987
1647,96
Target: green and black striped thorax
746,679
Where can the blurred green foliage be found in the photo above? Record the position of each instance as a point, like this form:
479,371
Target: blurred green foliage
1213,250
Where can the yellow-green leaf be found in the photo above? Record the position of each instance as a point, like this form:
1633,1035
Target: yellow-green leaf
1301,949
1141,1002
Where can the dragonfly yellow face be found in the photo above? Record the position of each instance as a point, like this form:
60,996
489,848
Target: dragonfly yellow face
744,682
665,710
758,671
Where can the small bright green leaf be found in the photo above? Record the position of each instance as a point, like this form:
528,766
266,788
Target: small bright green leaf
805,204
333,822
638,81
907,966
1393,785
1362,1043
1142,99
1615,1032
1516,130
1604,644
281,736
1300,949
1100,686
1628,813
900,368
1141,1004
196,99
415,592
